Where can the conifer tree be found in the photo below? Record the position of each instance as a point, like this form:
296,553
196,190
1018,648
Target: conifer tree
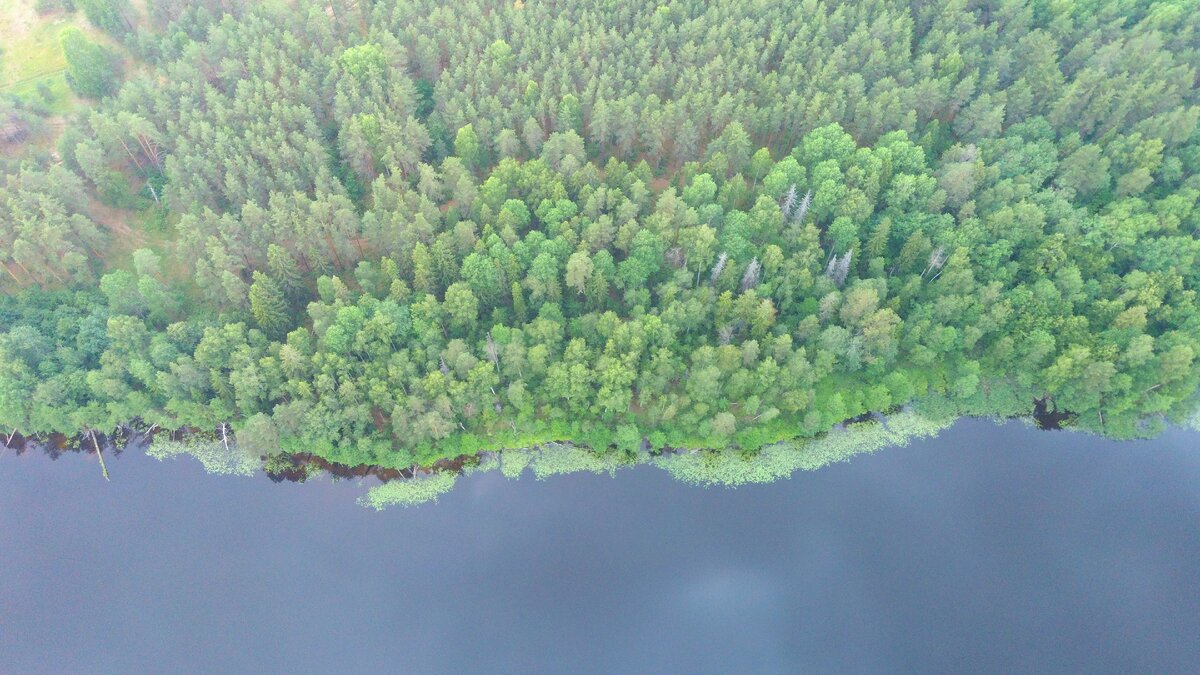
268,305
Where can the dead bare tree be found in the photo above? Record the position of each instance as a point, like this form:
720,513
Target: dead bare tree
789,201
751,277
99,454
719,267
839,268
493,352
802,209
936,259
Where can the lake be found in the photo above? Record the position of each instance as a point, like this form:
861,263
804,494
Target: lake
989,548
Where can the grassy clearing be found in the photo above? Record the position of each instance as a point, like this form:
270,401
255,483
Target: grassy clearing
132,230
60,100
31,54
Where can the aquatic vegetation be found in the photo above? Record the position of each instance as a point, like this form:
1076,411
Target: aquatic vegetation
410,492
216,456
780,460
514,462
557,458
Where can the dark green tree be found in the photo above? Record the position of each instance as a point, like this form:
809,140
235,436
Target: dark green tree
269,306
92,69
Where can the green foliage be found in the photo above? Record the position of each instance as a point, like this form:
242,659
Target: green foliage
45,238
92,69
440,241
467,147
268,305
111,16
364,62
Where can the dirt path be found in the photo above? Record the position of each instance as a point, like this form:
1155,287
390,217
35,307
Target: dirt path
115,221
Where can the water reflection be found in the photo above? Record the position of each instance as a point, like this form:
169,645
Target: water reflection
1047,416
989,548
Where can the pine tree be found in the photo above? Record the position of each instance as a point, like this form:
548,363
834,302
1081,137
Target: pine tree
268,305
424,279
286,271
110,16
518,300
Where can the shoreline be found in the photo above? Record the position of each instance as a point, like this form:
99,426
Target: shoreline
863,433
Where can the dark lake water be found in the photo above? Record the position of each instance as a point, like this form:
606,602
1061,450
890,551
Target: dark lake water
989,548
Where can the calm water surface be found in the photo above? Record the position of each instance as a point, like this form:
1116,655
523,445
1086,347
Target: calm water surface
987,549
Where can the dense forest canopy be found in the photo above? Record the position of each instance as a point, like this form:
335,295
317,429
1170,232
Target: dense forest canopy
396,231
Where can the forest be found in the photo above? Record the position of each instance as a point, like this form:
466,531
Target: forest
390,232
